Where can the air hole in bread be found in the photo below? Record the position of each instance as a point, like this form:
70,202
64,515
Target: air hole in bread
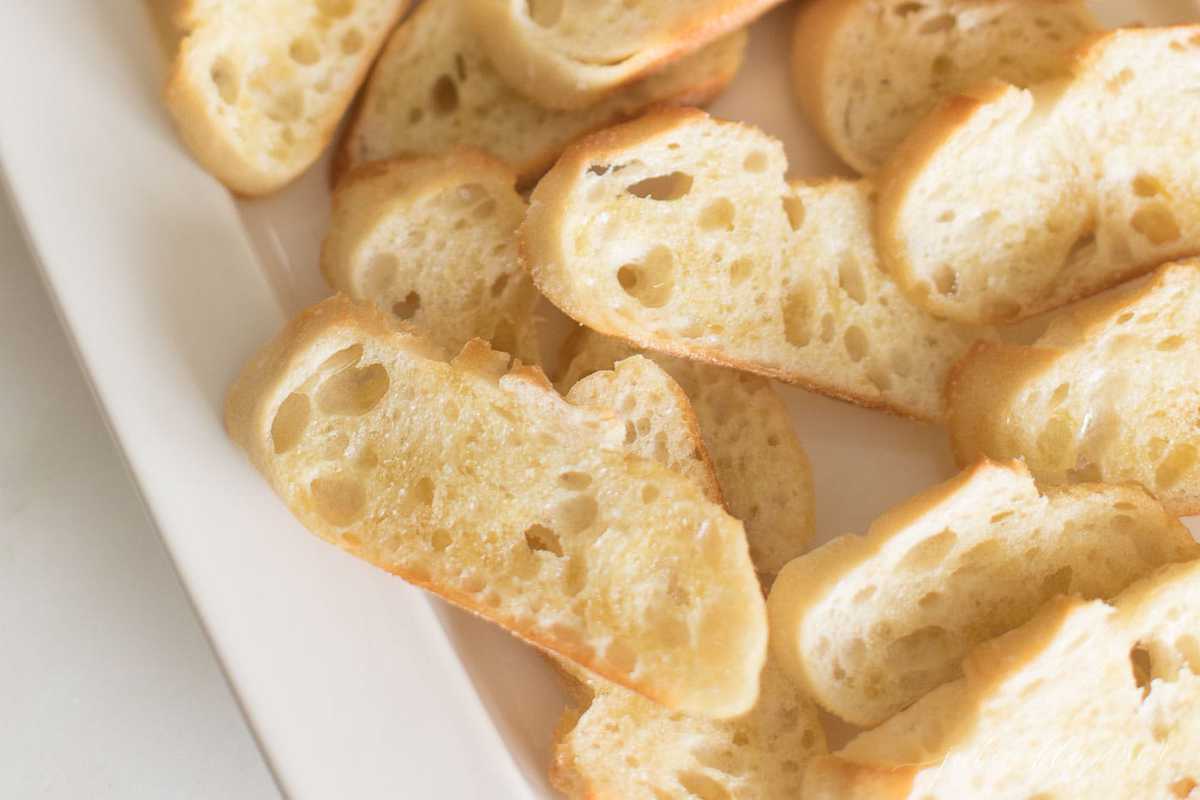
942,67
545,13
631,434
1171,343
440,539
460,67
1188,647
290,422
352,41
343,358
717,215
850,279
286,106
485,209
408,307
1120,80
499,285
303,50
650,493
422,492
906,9
930,599
575,576
797,312
672,186
577,514
225,78
739,270
755,162
1177,464
1141,667
543,540
575,481
366,458
1183,787
415,115
1155,221
651,282
924,645
336,8
879,377
504,337
702,786
338,499
827,328
1147,186
381,271
444,96
353,391
1000,516
857,344
794,208
1060,394
939,24
930,552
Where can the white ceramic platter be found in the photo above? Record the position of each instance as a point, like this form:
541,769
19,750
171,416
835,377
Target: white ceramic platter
355,684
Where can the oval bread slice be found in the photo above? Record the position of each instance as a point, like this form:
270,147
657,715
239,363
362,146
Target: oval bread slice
433,89
257,89
484,486
570,54
868,624
867,71
679,233
1108,393
432,242
1007,202
760,465
1085,700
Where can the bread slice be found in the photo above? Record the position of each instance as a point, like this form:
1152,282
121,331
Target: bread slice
760,465
867,71
678,233
1108,393
613,744
433,89
257,89
659,422
1085,700
1005,203
868,624
570,54
483,485
433,242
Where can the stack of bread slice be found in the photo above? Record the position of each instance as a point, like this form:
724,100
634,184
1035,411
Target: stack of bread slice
1027,629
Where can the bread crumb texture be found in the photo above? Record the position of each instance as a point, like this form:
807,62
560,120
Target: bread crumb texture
484,486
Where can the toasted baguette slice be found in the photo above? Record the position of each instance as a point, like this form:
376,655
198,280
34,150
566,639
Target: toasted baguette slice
763,471
659,421
867,71
868,624
613,744
257,89
433,242
571,54
433,89
1108,393
1085,700
678,233
1005,203
486,487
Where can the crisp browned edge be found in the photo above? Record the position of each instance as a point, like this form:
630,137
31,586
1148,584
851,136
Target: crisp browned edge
528,171
816,37
670,45
1004,366
911,158
263,370
203,134
555,186
429,174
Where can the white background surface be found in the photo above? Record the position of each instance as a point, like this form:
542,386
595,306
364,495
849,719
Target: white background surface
108,688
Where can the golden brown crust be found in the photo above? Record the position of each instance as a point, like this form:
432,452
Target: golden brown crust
540,76
211,142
